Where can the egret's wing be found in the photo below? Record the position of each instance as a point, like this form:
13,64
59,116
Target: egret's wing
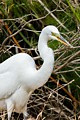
12,71
8,84
8,80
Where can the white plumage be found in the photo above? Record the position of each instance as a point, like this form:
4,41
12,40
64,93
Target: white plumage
19,76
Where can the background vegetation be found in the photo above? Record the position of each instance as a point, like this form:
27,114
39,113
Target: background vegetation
20,24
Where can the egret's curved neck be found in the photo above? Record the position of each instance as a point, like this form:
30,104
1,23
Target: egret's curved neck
47,55
42,46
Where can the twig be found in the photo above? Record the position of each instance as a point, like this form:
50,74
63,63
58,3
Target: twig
69,94
52,14
60,67
6,26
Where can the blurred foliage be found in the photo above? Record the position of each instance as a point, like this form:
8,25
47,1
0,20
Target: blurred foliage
26,18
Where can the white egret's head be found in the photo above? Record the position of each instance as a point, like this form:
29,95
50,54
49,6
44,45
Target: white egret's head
53,33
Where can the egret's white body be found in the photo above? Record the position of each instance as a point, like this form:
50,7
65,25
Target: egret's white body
19,76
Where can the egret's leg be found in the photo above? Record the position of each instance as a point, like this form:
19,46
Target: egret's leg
10,108
25,113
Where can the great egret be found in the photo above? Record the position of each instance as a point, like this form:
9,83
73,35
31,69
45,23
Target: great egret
19,76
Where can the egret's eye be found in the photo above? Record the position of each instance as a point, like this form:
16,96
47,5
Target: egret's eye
55,34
